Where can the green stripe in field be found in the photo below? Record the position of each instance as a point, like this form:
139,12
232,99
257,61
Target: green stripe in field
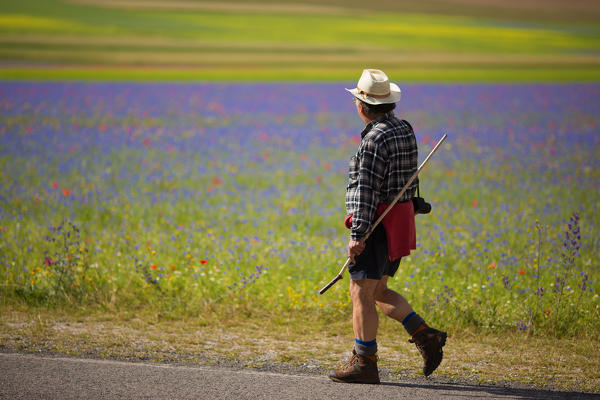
423,74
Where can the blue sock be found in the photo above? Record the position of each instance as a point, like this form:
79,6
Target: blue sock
412,322
365,348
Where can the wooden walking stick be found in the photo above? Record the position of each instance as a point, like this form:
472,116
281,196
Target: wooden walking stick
398,196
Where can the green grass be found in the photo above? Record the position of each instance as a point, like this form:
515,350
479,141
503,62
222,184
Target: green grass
45,37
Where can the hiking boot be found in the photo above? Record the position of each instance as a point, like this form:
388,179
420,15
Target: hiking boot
429,342
359,369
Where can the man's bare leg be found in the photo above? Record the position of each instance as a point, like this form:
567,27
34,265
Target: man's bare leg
390,302
362,366
365,319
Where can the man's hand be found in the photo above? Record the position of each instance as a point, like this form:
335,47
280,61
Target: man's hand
355,248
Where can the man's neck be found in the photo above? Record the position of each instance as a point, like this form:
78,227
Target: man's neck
369,118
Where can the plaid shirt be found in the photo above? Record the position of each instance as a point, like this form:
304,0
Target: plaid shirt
386,159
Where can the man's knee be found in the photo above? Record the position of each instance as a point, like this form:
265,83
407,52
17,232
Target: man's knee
363,290
381,290
381,293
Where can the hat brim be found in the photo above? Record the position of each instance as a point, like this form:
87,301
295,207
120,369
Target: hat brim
394,97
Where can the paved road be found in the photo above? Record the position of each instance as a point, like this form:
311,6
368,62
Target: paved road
24,376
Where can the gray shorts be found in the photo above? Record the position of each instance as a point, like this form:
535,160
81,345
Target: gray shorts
374,262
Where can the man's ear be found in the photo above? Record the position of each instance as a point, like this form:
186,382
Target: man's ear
361,108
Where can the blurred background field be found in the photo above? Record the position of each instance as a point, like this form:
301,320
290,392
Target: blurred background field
210,195
423,41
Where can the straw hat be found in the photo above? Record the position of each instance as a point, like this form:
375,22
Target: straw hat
374,87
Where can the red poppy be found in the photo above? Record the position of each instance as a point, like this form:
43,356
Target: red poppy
217,181
474,203
203,262
66,192
522,271
54,185
154,266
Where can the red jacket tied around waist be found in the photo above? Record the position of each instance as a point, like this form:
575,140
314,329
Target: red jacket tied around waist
399,224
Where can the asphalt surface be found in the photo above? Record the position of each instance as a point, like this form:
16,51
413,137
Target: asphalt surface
26,376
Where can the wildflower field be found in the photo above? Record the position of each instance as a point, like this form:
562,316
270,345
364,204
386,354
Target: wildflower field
190,197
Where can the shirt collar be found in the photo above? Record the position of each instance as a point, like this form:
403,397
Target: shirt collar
381,118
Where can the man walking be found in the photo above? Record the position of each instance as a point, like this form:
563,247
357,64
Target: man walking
386,159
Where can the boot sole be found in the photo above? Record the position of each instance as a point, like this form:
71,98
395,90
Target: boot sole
373,382
442,341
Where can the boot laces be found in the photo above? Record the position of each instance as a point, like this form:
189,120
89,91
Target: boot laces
350,364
